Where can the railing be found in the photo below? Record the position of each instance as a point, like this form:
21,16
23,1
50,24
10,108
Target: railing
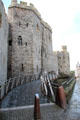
46,80
14,82
66,83
49,87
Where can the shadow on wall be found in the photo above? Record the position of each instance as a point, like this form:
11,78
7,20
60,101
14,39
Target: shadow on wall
0,19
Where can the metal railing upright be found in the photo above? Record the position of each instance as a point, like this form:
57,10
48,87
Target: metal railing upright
14,82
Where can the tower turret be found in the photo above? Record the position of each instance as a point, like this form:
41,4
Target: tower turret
13,2
64,48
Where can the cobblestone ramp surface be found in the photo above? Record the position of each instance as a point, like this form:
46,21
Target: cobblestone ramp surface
24,95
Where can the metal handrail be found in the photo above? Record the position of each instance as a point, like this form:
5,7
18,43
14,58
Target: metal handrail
67,82
46,79
14,82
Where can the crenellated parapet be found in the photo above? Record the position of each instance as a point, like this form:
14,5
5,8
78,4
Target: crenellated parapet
25,5
64,48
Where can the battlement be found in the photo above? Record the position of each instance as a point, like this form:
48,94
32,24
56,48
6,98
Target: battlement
64,48
25,5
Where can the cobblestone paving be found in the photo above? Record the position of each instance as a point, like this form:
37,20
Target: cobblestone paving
24,95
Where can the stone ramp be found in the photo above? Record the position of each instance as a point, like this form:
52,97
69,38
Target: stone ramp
24,95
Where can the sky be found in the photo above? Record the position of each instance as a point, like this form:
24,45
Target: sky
64,18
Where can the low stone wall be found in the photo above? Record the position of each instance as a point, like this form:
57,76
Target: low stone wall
27,113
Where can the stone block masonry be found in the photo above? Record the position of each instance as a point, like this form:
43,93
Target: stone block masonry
63,61
30,41
3,43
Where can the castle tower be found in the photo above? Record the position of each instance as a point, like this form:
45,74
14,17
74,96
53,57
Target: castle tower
29,36
64,48
13,2
63,61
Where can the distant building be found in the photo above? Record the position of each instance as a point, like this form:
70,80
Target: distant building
63,61
77,72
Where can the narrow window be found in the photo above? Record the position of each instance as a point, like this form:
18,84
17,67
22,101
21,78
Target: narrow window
19,40
27,24
10,67
22,67
37,27
26,43
37,68
10,43
49,37
19,23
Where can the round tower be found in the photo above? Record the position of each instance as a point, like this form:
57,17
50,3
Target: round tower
13,2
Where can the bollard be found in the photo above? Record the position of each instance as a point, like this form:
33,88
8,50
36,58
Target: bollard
37,114
61,97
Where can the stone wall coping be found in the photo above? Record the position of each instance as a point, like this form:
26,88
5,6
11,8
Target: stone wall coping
4,10
23,5
25,107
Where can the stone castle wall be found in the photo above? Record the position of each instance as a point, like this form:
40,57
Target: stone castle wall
3,43
30,41
55,62
21,42
47,56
